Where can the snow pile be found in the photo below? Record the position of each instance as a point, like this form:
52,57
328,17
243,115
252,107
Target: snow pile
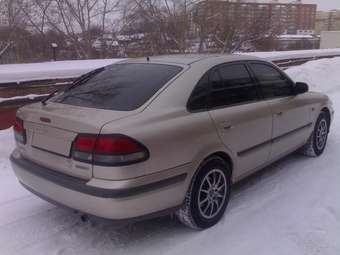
283,55
321,75
293,207
50,70
6,145
29,96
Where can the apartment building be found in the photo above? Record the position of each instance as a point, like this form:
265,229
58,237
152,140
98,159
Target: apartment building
327,21
288,17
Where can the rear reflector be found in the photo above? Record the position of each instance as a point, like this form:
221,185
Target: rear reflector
108,150
19,131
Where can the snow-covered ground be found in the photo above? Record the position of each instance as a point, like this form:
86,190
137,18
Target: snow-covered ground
291,208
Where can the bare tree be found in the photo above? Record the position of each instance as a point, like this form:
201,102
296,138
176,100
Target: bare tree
101,28
80,21
223,30
11,15
165,24
235,34
36,13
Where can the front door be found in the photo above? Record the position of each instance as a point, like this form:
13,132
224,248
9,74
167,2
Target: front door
291,113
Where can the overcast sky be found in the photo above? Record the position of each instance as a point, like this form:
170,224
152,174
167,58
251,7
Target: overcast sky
325,4
322,4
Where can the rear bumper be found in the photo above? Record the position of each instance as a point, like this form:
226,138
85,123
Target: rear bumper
119,200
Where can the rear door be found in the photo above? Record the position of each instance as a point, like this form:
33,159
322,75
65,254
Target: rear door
291,113
243,121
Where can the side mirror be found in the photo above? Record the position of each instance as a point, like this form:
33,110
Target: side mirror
300,88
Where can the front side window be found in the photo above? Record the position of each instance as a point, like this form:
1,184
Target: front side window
230,85
272,82
120,87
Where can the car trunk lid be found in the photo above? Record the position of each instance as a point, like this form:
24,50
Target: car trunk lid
51,130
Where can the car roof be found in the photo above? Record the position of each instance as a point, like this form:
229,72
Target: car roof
188,59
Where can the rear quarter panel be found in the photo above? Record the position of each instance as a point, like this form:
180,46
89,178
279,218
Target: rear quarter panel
173,139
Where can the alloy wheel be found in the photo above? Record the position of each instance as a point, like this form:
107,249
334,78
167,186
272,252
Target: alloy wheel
212,193
321,134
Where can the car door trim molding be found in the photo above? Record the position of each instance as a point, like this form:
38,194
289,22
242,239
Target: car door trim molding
271,141
253,148
291,132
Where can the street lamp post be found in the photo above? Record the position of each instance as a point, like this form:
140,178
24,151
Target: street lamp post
54,47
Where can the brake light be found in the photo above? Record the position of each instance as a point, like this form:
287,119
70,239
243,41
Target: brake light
116,145
19,131
108,150
85,143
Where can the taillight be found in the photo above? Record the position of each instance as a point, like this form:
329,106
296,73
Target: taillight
83,148
108,150
19,131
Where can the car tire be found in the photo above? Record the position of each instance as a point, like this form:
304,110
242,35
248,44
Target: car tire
208,195
317,141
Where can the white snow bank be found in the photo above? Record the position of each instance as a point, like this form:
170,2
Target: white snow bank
6,145
321,75
30,96
282,55
50,70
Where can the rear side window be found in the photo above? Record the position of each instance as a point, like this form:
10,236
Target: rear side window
272,82
121,87
232,84
199,96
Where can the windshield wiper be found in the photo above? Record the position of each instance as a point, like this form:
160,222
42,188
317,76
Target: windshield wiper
85,77
49,96
81,80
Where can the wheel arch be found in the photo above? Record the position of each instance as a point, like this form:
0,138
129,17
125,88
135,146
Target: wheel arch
221,154
226,158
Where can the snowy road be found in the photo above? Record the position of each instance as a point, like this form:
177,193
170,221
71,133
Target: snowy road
291,208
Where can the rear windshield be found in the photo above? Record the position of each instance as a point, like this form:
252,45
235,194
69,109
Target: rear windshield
121,87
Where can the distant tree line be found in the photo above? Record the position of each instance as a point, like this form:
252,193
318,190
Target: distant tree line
85,29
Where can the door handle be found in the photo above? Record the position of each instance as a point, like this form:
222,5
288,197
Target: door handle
279,114
228,127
